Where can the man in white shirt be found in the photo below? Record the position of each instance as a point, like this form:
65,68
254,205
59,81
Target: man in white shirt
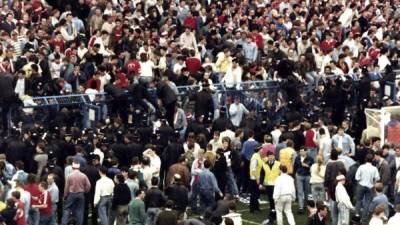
237,110
325,144
284,194
343,201
366,176
103,195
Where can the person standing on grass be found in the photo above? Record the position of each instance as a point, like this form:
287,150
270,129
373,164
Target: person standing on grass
284,194
76,185
271,171
343,201
302,165
208,188
103,195
256,165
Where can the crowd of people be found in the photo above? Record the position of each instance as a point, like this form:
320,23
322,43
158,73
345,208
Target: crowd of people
170,158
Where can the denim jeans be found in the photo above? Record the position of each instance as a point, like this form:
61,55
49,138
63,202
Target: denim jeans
33,217
363,199
334,212
207,200
312,152
75,203
103,209
303,188
231,182
397,198
53,214
45,219
121,214
194,195
151,215
343,214
318,192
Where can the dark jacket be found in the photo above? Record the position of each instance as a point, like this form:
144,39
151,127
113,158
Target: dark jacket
122,195
167,217
178,193
154,198
7,93
315,220
333,169
204,104
166,94
300,169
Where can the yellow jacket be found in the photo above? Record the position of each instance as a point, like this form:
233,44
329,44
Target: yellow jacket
271,173
286,157
256,164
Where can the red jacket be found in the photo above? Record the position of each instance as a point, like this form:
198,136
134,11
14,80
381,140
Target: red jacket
45,198
190,22
327,46
98,82
193,65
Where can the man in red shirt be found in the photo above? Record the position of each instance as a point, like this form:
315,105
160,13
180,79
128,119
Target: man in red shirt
193,64
33,189
328,44
44,204
190,21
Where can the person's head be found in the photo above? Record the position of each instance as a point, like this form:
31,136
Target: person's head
16,195
43,186
303,151
322,210
270,156
226,141
283,169
340,131
140,194
50,178
267,138
369,158
103,171
154,181
378,187
216,135
334,154
119,178
207,164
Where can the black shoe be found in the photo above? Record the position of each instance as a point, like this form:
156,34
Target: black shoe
301,211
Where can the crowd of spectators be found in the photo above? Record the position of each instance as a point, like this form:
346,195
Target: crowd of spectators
149,158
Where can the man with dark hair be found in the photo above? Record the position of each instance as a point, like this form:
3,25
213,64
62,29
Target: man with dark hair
366,176
208,187
121,199
333,169
320,217
153,200
103,195
168,216
284,194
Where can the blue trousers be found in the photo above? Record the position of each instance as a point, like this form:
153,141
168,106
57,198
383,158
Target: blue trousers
363,199
207,200
75,204
33,216
103,208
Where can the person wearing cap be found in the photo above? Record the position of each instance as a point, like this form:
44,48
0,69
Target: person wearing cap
76,185
178,193
343,201
271,173
284,194
256,165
